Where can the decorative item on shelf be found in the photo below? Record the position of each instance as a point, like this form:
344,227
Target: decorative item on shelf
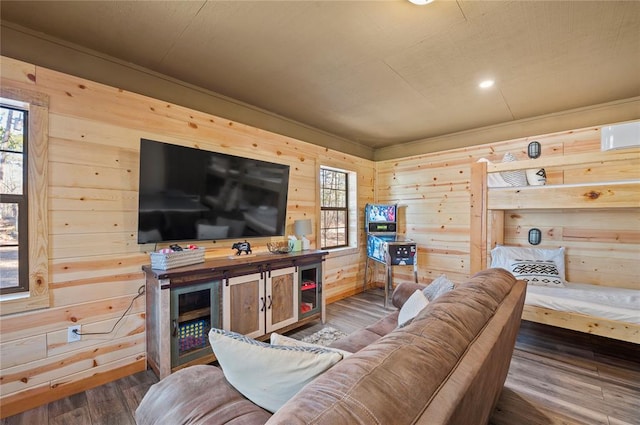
295,245
534,150
241,247
620,136
535,236
169,258
278,247
301,229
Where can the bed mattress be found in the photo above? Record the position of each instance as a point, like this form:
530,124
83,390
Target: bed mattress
594,300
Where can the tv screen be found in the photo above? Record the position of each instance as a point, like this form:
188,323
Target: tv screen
193,194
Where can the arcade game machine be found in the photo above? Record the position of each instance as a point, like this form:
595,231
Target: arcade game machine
386,246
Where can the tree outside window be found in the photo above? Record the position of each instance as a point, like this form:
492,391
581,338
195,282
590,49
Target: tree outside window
334,208
13,200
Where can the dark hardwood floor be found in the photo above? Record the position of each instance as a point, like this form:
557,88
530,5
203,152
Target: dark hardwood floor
556,377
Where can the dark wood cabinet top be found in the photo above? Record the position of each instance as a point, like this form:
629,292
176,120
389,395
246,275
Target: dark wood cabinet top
226,267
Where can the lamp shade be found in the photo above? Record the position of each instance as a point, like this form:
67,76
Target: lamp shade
302,227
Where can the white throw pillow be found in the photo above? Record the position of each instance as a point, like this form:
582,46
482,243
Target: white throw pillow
277,339
506,256
268,375
414,305
439,286
537,272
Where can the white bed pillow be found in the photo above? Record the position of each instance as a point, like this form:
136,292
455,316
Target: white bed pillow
414,305
515,177
494,179
512,258
277,339
268,375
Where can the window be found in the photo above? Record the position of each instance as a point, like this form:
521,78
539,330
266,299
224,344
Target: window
24,230
334,208
13,200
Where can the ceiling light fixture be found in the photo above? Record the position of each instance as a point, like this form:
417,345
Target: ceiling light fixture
486,84
421,2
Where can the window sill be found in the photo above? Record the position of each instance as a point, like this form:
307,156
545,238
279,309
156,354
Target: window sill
22,302
340,252
14,296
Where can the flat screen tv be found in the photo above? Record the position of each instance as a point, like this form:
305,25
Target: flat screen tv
192,194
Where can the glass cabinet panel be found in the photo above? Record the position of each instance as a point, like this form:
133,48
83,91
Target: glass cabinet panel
194,310
310,289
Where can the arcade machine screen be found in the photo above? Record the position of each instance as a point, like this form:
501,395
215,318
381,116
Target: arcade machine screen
381,213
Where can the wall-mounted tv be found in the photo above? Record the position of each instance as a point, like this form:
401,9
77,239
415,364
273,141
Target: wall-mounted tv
194,194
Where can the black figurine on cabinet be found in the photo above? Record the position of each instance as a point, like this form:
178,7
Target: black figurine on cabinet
241,247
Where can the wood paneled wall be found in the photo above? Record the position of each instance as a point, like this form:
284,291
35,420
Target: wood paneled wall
603,247
95,262
94,259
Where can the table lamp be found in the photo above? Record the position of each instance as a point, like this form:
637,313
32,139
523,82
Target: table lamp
301,229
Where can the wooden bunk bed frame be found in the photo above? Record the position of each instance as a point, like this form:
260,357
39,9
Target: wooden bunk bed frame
488,206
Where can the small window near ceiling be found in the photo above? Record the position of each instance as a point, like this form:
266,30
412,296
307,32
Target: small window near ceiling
14,267
334,208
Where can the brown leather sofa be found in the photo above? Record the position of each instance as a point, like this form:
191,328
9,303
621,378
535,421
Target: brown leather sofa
447,366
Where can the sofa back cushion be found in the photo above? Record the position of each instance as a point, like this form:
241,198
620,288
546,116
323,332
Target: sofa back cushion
394,379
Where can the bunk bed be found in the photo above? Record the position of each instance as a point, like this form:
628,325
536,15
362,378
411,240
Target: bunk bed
620,191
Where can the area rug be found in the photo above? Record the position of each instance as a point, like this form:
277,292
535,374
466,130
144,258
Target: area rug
324,336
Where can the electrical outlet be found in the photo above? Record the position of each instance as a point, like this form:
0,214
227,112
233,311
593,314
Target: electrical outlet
71,335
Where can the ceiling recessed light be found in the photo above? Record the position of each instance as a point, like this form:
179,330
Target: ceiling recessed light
486,84
420,2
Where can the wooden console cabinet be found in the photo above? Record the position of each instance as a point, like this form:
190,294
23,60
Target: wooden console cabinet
253,295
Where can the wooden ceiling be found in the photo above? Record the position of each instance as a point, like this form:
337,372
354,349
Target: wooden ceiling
377,73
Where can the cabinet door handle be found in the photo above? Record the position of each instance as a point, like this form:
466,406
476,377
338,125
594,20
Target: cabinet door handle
270,302
175,328
264,304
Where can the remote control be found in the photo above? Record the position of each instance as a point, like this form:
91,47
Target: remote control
175,247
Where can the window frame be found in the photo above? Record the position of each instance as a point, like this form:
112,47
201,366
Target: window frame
22,201
37,260
350,209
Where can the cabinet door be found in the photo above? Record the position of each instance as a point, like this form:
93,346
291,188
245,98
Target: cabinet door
282,298
244,305
310,277
194,311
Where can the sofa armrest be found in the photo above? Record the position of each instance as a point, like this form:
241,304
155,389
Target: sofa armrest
197,395
403,291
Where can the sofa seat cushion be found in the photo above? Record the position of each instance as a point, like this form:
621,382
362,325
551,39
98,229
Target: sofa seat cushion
357,340
384,325
412,362
197,395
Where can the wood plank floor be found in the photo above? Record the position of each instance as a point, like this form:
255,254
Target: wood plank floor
556,377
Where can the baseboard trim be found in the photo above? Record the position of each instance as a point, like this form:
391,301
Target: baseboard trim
342,295
38,396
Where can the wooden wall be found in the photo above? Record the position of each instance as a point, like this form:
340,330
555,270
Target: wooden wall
602,247
94,259
95,262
